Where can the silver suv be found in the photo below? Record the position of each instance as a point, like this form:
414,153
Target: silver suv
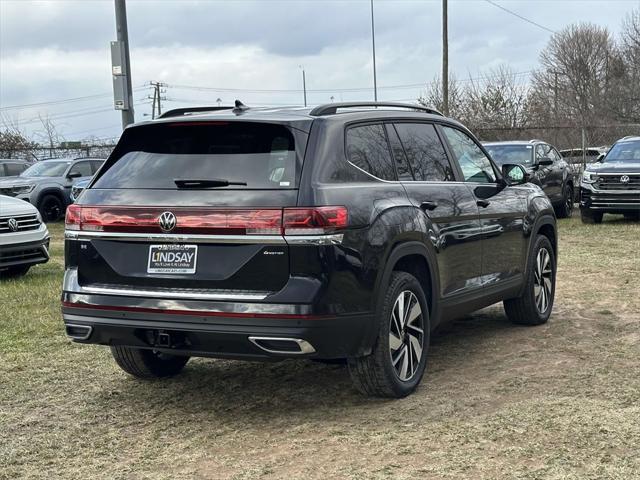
24,239
47,184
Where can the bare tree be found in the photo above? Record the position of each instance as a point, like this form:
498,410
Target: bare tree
630,47
48,134
433,96
13,141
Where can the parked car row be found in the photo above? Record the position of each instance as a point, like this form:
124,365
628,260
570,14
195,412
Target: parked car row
47,184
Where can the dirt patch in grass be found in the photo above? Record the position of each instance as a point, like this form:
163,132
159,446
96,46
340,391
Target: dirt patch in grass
498,401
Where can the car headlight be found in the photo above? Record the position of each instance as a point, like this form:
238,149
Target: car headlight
22,189
589,177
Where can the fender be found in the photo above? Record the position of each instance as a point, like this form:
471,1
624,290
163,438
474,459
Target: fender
58,192
541,221
398,251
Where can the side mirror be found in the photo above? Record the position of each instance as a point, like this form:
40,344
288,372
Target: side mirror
75,174
514,174
545,161
601,157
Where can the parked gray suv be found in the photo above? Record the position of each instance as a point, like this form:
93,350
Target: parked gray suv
47,184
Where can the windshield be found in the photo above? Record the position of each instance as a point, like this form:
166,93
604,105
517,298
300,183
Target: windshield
511,154
46,169
234,155
624,152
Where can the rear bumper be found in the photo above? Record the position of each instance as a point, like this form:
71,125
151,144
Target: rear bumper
609,201
219,336
230,328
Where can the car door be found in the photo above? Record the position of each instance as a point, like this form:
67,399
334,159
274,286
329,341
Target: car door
549,176
501,210
447,204
78,171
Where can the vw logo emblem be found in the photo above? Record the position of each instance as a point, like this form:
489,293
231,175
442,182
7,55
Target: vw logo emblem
624,178
167,221
13,224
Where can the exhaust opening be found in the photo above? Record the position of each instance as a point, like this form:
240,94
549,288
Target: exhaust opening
295,346
78,332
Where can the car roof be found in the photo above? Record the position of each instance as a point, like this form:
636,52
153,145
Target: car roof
629,138
299,117
513,142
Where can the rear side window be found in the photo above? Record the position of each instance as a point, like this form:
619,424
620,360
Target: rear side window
262,156
425,152
83,168
96,164
368,149
14,169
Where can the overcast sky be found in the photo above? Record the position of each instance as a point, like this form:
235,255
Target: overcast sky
59,50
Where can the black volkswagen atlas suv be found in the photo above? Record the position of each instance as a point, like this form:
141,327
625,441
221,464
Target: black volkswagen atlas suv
612,184
346,231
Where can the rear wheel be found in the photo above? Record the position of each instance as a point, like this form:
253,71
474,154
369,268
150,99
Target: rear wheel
16,271
535,305
50,208
565,210
397,363
148,364
588,216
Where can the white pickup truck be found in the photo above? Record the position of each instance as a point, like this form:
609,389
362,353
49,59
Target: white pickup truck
24,238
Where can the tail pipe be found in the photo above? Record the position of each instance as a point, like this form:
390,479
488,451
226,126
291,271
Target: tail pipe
289,346
78,332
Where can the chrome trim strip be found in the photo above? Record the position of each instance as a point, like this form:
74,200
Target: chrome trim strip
305,347
329,239
332,239
180,238
162,294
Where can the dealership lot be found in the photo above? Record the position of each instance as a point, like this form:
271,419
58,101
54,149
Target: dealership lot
555,401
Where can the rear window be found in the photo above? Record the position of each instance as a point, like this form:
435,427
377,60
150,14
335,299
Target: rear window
262,156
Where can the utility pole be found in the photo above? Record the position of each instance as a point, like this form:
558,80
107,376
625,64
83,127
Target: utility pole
445,60
124,72
157,91
373,45
304,85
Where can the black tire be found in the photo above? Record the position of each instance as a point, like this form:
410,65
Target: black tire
632,216
375,374
13,272
51,208
566,209
588,216
526,309
148,364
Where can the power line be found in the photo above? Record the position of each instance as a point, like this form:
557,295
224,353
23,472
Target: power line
61,101
519,16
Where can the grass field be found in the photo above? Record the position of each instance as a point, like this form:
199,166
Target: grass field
498,401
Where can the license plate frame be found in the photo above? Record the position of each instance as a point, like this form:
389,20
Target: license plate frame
172,259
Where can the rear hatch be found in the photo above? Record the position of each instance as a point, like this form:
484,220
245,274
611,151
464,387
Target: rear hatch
191,205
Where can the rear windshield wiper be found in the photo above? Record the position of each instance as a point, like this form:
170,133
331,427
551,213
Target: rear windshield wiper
205,183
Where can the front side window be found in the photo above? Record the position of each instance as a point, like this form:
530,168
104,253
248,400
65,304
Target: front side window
83,168
543,151
368,149
475,165
425,152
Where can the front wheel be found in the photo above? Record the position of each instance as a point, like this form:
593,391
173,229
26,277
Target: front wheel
565,210
534,306
588,216
397,363
148,364
51,208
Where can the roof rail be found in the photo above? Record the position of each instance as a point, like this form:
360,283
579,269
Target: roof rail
332,108
179,112
534,140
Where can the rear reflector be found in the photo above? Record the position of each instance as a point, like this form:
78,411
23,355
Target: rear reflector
207,221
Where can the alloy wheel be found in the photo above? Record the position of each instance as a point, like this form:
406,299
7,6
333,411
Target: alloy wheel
569,201
406,335
543,281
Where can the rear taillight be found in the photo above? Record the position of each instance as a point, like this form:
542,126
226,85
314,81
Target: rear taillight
314,220
208,221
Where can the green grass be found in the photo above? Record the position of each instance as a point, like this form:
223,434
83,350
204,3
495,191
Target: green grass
498,401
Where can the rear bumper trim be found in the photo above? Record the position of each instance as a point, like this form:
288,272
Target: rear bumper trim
187,295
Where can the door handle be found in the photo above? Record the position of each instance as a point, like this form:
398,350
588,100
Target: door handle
483,203
428,205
